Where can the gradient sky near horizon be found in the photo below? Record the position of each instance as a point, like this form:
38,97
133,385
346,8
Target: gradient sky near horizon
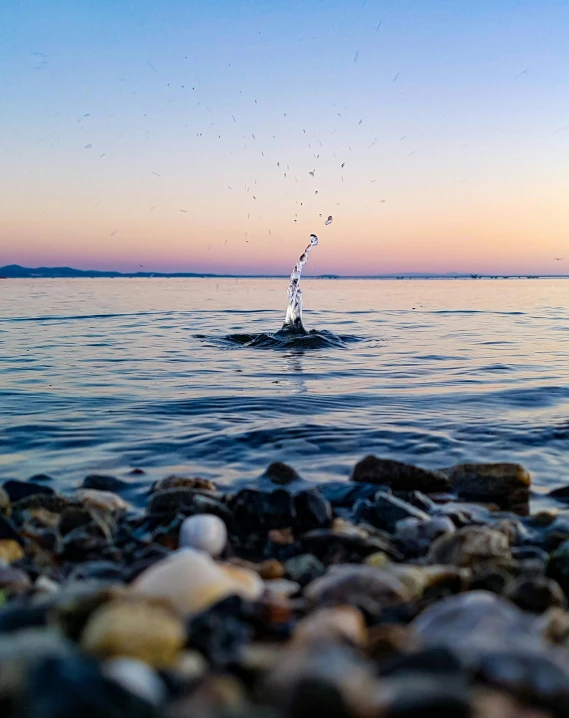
180,135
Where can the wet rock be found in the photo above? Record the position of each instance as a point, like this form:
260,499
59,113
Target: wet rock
49,502
84,543
398,476
175,500
312,511
389,641
502,483
416,535
282,588
183,482
561,493
304,568
40,477
18,490
270,569
489,578
344,494
220,632
215,697
5,504
136,677
337,624
13,580
191,581
364,586
97,570
469,546
10,550
336,546
489,703
280,473
102,500
535,594
8,531
281,537
386,511
264,510
414,695
205,532
15,618
74,604
101,482
134,629
558,565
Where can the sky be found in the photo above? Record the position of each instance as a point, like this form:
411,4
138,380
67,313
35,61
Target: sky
216,136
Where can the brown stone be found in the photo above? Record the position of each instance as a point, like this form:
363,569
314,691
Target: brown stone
502,483
270,569
10,550
399,476
338,623
383,640
183,482
281,537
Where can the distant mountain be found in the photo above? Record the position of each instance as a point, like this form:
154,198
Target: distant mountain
15,271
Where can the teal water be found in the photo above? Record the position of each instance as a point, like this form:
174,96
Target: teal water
106,375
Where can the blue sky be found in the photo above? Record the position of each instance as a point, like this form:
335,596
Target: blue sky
139,132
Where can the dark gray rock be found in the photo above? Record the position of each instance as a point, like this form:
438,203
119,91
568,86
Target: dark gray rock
535,594
399,476
18,490
312,510
101,482
280,473
344,494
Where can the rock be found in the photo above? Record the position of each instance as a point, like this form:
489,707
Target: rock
416,535
535,594
340,547
344,494
282,587
49,502
385,641
183,482
502,483
101,482
561,493
10,550
558,565
5,504
102,500
398,476
220,632
270,569
98,571
364,586
414,694
8,531
74,605
281,537
500,642
489,703
191,581
388,510
137,677
13,580
312,511
304,568
280,473
18,490
341,624
214,697
205,532
15,618
254,510
40,477
175,500
134,629
469,546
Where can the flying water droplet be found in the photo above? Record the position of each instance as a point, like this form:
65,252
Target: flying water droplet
293,318
329,220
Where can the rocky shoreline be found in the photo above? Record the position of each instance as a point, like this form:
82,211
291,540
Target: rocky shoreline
401,592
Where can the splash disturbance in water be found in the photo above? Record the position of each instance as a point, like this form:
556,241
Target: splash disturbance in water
293,333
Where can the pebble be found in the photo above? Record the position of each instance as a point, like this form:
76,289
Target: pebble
5,503
281,474
102,500
134,629
191,581
137,677
503,483
398,475
304,568
10,550
468,546
341,623
282,587
204,532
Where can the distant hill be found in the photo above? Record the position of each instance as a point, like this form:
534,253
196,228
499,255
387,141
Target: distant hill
15,271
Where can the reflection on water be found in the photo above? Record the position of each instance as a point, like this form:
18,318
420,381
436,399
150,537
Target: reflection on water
107,375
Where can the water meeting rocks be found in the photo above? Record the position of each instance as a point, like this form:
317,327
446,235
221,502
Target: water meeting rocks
398,475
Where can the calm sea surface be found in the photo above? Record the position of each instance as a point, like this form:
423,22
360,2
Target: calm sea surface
106,375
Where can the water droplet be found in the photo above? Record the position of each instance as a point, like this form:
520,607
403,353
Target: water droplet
329,220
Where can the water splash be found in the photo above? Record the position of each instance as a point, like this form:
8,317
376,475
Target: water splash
293,319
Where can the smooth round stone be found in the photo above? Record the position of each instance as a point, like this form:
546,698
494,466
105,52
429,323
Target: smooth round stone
103,500
137,677
134,629
204,532
192,581
282,587
340,623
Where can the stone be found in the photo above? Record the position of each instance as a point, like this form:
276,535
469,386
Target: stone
312,510
8,531
280,473
388,639
101,500
221,632
137,677
18,490
558,565
270,569
535,594
13,580
505,484
205,532
342,547
344,494
134,629
183,482
75,603
389,510
340,623
282,587
192,582
101,482
415,694
10,551
399,476
469,546
416,535
363,586
304,568
262,510
5,504
175,500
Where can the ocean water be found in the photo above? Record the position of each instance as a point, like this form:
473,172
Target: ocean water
107,375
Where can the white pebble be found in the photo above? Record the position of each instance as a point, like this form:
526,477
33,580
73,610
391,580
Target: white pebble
205,532
137,677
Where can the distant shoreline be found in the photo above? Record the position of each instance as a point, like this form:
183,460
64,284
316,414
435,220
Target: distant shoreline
15,271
